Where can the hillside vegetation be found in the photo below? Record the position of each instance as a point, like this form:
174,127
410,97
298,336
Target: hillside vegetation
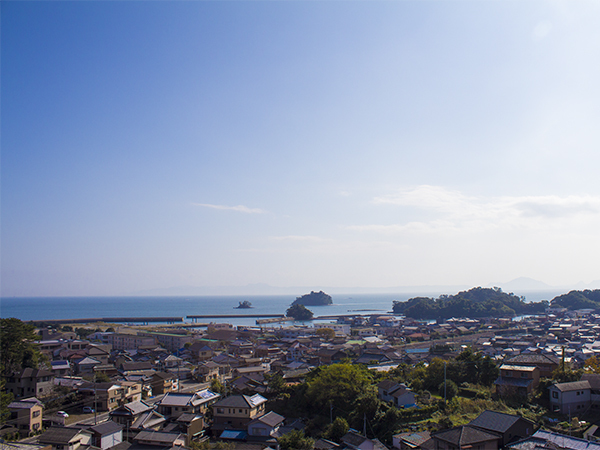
578,300
476,302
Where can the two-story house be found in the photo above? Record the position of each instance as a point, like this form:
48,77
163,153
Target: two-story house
102,396
517,380
30,383
570,398
66,438
510,427
175,404
236,411
26,415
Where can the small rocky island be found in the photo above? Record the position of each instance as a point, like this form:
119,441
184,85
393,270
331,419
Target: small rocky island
314,299
244,305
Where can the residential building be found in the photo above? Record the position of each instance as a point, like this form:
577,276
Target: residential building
265,425
517,380
510,427
30,383
26,415
163,382
236,411
545,362
175,404
410,440
571,398
355,441
106,434
129,341
465,436
66,438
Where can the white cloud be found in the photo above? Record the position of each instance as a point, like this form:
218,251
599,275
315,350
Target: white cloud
238,208
453,211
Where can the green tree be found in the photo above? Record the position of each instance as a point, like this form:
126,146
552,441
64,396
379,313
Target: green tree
337,384
217,387
299,312
325,333
450,388
5,399
17,346
336,430
102,377
275,383
295,440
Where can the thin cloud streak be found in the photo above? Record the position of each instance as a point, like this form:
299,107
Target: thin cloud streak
238,208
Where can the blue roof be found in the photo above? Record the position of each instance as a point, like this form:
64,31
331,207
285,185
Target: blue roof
233,434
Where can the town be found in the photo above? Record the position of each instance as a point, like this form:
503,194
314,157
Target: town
359,382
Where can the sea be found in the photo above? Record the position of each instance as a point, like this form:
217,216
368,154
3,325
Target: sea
57,308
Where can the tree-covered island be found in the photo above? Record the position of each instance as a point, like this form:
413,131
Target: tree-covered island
314,299
476,302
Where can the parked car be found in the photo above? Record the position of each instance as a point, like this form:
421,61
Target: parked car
62,414
88,410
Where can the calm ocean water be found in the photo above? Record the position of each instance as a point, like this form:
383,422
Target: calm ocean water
48,308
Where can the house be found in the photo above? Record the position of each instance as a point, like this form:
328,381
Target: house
594,380
466,436
396,393
99,352
86,365
207,371
30,383
265,425
546,363
128,413
163,382
410,440
236,411
66,438
26,415
60,368
201,351
106,434
517,380
159,439
101,396
355,441
132,391
571,398
175,404
542,439
192,426
509,426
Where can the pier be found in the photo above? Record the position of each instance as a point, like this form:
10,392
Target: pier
233,316
113,320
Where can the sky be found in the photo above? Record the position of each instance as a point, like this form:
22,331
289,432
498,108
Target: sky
152,144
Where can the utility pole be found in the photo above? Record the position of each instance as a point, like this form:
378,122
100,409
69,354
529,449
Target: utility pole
95,401
444,382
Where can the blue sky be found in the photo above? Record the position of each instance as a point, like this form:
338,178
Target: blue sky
316,143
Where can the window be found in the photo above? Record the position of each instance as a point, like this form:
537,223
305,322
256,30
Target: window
35,414
554,394
578,393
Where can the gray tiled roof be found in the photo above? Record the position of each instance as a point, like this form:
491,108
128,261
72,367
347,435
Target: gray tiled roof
495,421
572,386
108,427
465,435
